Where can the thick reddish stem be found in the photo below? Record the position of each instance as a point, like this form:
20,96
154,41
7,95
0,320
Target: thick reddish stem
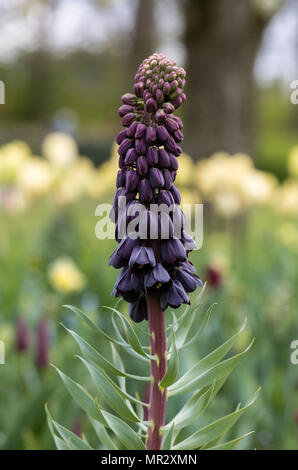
158,397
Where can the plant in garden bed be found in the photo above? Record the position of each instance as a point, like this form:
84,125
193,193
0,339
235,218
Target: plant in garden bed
156,274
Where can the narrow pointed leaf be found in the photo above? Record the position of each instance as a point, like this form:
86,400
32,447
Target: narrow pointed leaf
60,443
68,436
132,338
193,408
126,435
168,438
91,324
111,393
199,329
213,430
230,445
103,435
173,366
206,363
81,397
218,372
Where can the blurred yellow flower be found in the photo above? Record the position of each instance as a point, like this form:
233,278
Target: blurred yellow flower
36,177
12,158
185,175
286,198
65,276
104,181
60,149
232,183
189,196
227,203
258,186
292,162
76,182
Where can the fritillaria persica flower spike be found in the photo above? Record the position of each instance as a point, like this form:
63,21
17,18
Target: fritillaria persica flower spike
155,272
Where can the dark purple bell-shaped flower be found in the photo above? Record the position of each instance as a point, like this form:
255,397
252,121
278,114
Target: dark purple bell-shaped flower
142,256
172,251
174,296
153,257
156,277
189,280
138,310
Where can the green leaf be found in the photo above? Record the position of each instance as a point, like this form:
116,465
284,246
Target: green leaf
173,366
68,436
81,397
132,338
90,352
124,343
230,445
119,364
126,435
60,443
218,372
91,324
193,408
187,382
111,393
214,430
103,435
168,438
199,329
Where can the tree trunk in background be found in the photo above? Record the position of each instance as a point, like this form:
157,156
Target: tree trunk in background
221,38
144,34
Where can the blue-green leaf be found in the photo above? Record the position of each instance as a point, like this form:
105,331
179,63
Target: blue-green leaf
230,445
111,393
193,408
69,437
187,383
168,438
173,366
132,338
81,397
126,435
213,430
103,435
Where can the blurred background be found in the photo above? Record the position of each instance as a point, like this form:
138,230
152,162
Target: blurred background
65,65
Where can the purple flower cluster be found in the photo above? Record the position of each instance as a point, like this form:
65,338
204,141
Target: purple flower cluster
148,161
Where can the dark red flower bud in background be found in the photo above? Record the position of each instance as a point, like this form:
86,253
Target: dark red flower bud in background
43,343
22,335
213,277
